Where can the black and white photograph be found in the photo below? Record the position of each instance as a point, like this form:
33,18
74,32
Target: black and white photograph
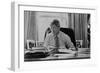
56,36
47,36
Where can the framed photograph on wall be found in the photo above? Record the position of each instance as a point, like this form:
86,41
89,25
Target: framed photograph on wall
45,35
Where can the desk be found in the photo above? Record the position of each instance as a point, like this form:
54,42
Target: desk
83,53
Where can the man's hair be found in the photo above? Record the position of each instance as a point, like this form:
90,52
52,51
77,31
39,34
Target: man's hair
56,23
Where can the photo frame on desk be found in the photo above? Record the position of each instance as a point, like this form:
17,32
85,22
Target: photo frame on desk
29,24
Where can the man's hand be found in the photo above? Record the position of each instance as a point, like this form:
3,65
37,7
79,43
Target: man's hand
76,54
73,49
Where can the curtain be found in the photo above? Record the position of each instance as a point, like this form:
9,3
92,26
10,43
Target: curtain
27,16
71,20
78,22
30,29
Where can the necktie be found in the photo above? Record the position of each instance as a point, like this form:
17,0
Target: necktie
56,43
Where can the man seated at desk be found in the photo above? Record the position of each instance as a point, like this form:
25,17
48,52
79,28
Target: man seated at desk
56,41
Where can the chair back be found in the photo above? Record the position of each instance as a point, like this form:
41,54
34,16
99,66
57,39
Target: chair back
70,33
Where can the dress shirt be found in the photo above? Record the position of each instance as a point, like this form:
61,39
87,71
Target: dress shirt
63,40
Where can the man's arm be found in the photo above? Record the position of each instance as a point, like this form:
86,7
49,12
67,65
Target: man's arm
46,42
68,42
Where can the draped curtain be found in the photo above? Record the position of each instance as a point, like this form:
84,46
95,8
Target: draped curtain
30,30
78,22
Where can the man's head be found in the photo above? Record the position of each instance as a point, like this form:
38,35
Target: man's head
55,27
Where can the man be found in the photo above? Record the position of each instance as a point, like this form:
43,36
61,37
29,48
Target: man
56,41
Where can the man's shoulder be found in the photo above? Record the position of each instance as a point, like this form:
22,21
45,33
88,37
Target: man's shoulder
50,35
63,34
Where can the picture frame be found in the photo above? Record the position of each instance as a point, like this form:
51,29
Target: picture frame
18,29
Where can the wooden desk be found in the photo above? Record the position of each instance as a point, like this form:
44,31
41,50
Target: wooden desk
83,53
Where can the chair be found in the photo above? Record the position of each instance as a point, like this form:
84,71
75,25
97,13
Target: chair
70,33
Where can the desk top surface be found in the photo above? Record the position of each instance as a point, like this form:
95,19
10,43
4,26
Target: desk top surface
82,53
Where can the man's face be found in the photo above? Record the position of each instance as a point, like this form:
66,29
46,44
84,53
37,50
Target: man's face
55,29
